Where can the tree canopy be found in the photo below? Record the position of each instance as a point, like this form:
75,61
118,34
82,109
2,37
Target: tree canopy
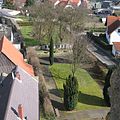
57,22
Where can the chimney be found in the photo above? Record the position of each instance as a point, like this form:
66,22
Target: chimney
20,112
17,75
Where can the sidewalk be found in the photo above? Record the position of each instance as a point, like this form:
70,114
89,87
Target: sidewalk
86,115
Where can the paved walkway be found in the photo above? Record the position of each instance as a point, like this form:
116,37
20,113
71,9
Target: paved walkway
86,115
58,103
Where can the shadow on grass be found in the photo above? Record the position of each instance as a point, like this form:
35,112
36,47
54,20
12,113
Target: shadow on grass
45,63
57,92
58,105
57,76
56,60
47,74
90,99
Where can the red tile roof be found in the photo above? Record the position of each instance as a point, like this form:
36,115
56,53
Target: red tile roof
117,45
14,55
65,2
113,22
75,2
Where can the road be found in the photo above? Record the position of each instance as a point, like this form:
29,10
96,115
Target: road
102,55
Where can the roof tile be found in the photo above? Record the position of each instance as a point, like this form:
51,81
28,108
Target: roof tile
113,22
14,55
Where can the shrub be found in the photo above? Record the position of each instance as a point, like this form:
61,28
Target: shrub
44,97
100,40
106,87
25,23
70,93
51,56
42,86
31,53
47,105
33,60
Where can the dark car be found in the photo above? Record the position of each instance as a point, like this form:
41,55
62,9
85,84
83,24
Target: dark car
103,12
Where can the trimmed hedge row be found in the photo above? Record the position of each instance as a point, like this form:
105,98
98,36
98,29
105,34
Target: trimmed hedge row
27,23
100,40
102,29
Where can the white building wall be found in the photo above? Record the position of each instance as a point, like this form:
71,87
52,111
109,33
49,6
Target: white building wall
107,37
114,36
17,46
12,37
113,50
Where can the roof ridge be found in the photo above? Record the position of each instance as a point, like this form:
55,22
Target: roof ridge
113,22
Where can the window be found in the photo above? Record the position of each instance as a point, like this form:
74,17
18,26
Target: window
118,30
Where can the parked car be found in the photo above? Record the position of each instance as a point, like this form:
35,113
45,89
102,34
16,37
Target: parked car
103,12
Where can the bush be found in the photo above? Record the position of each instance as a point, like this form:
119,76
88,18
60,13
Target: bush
44,97
106,87
100,40
31,53
47,105
70,93
33,60
42,89
25,23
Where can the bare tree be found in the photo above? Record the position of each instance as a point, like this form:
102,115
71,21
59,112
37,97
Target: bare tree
78,52
71,22
48,21
43,17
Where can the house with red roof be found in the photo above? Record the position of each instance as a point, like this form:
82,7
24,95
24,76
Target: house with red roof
11,57
113,29
71,3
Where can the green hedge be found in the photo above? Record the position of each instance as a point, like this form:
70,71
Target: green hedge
100,40
27,23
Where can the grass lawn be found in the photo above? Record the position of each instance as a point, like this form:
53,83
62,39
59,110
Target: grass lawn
26,32
90,94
